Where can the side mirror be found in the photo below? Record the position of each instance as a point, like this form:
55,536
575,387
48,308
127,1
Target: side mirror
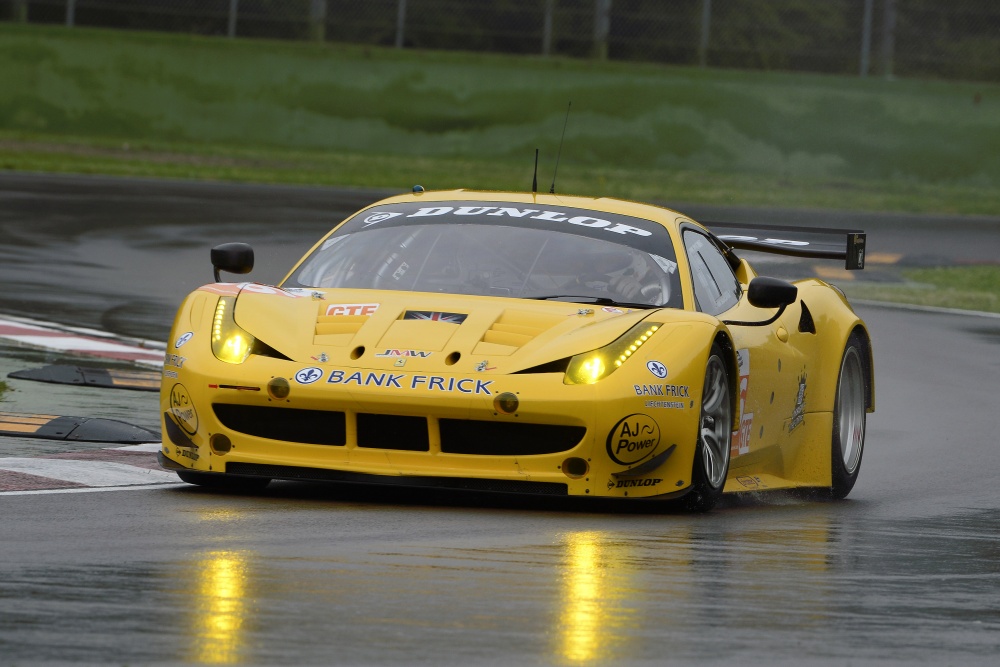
232,257
771,293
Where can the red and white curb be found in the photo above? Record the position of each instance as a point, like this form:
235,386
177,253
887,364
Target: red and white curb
79,341
120,468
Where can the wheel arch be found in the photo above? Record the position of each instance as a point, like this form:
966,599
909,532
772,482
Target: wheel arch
866,353
725,343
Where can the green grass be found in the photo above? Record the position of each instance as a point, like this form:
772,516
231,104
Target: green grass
962,287
194,107
3,388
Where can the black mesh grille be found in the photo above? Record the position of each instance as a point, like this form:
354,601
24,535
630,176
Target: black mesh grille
393,432
488,438
457,483
314,427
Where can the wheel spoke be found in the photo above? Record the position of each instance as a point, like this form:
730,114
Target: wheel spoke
716,424
714,392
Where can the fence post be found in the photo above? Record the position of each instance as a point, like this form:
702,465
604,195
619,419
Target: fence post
866,39
550,6
706,23
317,20
400,23
888,38
70,13
234,9
602,27
20,11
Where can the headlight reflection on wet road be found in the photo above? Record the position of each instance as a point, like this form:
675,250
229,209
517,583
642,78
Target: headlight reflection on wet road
220,607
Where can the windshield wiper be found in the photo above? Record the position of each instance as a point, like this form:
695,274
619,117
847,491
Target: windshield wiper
596,300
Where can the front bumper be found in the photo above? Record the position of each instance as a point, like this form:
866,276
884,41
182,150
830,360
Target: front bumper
415,433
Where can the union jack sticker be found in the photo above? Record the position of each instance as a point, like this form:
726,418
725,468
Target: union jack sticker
435,316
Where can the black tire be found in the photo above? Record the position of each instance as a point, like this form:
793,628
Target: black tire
849,412
224,482
712,455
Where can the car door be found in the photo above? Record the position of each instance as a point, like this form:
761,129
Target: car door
766,381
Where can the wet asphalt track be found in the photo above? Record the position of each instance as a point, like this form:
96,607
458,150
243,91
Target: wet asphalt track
907,570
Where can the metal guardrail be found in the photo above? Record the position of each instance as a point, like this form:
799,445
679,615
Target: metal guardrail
910,38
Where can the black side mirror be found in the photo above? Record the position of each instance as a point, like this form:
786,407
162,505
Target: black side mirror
771,293
232,257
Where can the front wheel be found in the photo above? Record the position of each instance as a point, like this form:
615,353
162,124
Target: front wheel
849,419
223,482
711,459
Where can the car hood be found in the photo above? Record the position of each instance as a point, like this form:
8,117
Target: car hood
445,332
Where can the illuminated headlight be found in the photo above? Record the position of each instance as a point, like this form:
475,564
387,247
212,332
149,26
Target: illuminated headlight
589,367
230,343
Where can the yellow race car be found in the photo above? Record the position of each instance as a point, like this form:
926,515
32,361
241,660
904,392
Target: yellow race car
524,343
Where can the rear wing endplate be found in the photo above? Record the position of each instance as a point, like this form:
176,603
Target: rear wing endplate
814,242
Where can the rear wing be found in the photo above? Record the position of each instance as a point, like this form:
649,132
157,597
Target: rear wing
815,242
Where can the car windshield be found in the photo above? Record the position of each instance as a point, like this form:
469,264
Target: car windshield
551,253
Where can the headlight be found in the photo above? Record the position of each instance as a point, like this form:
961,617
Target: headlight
589,367
230,343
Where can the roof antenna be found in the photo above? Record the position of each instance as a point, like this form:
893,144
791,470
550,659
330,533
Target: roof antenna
534,179
552,190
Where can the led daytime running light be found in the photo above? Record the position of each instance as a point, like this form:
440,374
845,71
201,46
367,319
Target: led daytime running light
589,367
230,343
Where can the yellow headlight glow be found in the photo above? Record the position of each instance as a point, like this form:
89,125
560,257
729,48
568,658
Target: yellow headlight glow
230,343
596,365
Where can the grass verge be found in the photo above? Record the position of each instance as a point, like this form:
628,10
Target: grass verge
963,287
287,112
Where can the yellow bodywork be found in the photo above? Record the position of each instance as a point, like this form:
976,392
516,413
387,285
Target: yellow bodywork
368,363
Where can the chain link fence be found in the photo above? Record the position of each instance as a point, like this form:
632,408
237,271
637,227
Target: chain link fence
958,39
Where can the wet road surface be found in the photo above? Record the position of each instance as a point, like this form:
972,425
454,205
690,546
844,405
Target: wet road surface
907,570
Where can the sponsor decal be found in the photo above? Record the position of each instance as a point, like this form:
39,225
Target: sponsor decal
182,409
404,353
189,453
407,381
400,271
303,292
379,217
183,338
553,216
768,241
799,413
657,369
670,405
613,310
322,358
678,390
434,316
751,483
308,375
174,360
633,439
351,309
169,374
740,442
631,483
484,366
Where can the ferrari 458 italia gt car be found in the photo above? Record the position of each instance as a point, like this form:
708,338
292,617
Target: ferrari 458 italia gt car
524,343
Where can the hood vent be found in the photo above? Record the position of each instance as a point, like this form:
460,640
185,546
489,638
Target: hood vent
337,329
514,329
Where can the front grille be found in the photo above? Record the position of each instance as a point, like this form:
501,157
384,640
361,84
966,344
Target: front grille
393,432
490,438
313,427
455,483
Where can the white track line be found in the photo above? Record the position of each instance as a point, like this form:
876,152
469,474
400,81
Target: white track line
89,473
92,489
